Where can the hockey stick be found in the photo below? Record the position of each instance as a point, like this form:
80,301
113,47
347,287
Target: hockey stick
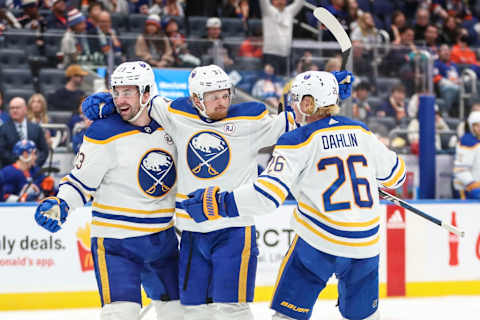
332,24
404,204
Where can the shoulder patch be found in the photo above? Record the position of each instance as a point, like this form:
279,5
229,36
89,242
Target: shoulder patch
107,128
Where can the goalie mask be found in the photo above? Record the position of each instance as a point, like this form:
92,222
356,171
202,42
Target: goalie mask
22,146
206,79
139,74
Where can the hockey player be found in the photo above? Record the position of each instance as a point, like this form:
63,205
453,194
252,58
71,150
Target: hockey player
23,180
332,166
467,160
127,165
219,143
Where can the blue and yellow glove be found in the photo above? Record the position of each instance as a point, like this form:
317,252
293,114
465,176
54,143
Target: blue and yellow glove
209,204
99,105
51,213
345,80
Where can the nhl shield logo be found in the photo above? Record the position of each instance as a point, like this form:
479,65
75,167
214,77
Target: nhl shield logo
208,154
156,173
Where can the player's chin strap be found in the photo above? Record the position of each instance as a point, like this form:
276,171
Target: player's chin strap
26,159
142,107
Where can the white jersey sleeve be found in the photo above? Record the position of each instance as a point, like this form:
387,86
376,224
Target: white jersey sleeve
159,111
387,175
467,161
91,163
271,127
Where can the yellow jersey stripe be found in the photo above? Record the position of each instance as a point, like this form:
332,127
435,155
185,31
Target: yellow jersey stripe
181,196
118,136
260,116
102,268
275,189
183,215
122,226
183,113
339,223
243,276
321,131
284,262
397,176
106,207
339,242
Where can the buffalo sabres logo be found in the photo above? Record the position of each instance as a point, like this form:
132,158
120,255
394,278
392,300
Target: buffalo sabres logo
208,154
156,173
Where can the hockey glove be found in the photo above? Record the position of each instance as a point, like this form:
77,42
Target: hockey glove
51,213
209,204
99,105
345,79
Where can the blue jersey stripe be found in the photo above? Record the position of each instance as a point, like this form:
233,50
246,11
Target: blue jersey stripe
178,205
391,173
130,219
76,189
81,183
266,195
341,233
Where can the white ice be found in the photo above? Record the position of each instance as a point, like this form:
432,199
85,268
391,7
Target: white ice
443,308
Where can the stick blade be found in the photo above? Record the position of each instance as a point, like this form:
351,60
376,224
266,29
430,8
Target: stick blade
332,24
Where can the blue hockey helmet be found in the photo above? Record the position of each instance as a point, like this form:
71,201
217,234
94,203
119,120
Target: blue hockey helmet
22,146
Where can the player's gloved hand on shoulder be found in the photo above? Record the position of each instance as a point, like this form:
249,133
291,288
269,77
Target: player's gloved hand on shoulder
345,80
51,213
209,204
99,105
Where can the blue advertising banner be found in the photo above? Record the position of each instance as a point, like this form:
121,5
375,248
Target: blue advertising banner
171,83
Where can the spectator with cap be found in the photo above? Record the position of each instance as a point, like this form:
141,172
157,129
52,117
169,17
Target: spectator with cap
23,180
68,97
19,128
152,45
31,18
277,32
57,19
212,48
76,45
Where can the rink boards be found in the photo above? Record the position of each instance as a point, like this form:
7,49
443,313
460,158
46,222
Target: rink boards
39,270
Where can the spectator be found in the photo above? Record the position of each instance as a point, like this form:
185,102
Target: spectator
156,8
152,45
422,20
24,181
462,54
31,18
79,128
414,127
173,9
446,78
205,8
94,10
397,62
212,48
466,169
252,46
268,87
57,19
181,54
450,31
306,63
399,22
116,6
104,39
338,9
37,113
68,97
364,38
395,105
431,40
361,109
3,113
353,14
333,64
19,128
75,45
277,32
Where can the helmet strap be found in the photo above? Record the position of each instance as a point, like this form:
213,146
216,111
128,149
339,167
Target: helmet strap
142,106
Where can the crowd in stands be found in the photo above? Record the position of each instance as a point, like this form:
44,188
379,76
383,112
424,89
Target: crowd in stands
391,40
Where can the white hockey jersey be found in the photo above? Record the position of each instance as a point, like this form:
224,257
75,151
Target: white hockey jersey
332,167
130,172
467,161
221,153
